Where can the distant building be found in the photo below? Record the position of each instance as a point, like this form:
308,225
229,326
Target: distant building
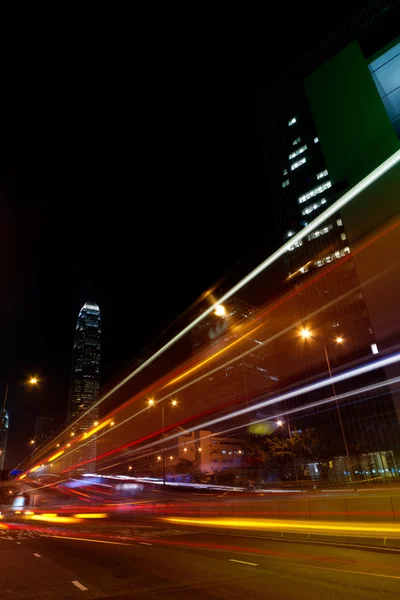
85,381
44,428
4,423
208,452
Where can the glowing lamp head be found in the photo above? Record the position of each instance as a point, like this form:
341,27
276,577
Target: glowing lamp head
339,340
150,402
279,423
174,402
305,333
33,380
220,311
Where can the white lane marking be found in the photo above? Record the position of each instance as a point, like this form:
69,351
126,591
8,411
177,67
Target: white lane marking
79,586
18,542
145,544
243,562
36,554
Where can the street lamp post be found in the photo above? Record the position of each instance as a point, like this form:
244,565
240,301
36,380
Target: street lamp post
174,402
306,334
31,381
280,423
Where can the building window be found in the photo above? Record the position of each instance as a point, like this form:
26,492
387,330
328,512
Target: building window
322,174
292,121
314,192
374,349
285,171
289,234
318,232
339,222
296,245
316,140
343,236
298,151
298,164
296,141
285,183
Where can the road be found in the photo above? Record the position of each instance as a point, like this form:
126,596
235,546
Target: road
158,560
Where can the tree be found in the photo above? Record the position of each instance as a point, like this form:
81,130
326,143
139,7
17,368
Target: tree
187,467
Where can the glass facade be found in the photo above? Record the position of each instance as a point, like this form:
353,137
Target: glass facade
334,303
4,422
85,377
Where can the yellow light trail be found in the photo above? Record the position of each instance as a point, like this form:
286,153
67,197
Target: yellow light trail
53,518
34,469
88,434
55,456
206,360
362,529
91,515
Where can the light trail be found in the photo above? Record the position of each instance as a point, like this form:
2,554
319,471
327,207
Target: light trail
378,364
286,298
329,212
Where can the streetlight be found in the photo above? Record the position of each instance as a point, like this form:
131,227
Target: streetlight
305,333
280,423
151,402
220,311
31,381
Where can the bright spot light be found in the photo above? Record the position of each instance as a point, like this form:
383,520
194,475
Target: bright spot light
33,380
185,449
220,311
68,445
151,402
95,423
158,457
112,423
279,423
72,433
305,333
339,340
171,457
32,442
57,445
174,402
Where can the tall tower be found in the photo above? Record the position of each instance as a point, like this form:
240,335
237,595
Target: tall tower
3,436
85,380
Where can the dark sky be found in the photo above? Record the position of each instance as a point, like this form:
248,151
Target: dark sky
131,174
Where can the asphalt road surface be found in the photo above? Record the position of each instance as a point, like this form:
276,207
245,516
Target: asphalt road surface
161,561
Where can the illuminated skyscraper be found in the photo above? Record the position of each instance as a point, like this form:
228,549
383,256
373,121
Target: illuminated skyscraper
316,148
3,436
85,379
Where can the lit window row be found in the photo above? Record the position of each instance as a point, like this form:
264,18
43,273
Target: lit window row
312,207
296,141
322,174
296,245
316,140
314,192
334,256
285,183
298,151
292,121
318,232
285,171
298,164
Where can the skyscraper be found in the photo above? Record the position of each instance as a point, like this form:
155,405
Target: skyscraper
44,428
85,379
326,123
3,436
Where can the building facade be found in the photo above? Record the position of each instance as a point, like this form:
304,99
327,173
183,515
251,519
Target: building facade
4,424
44,428
326,123
85,381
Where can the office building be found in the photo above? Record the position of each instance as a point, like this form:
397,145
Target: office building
44,428
325,124
4,423
85,381
209,452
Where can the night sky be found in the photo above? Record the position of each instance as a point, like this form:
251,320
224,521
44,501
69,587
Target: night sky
131,179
